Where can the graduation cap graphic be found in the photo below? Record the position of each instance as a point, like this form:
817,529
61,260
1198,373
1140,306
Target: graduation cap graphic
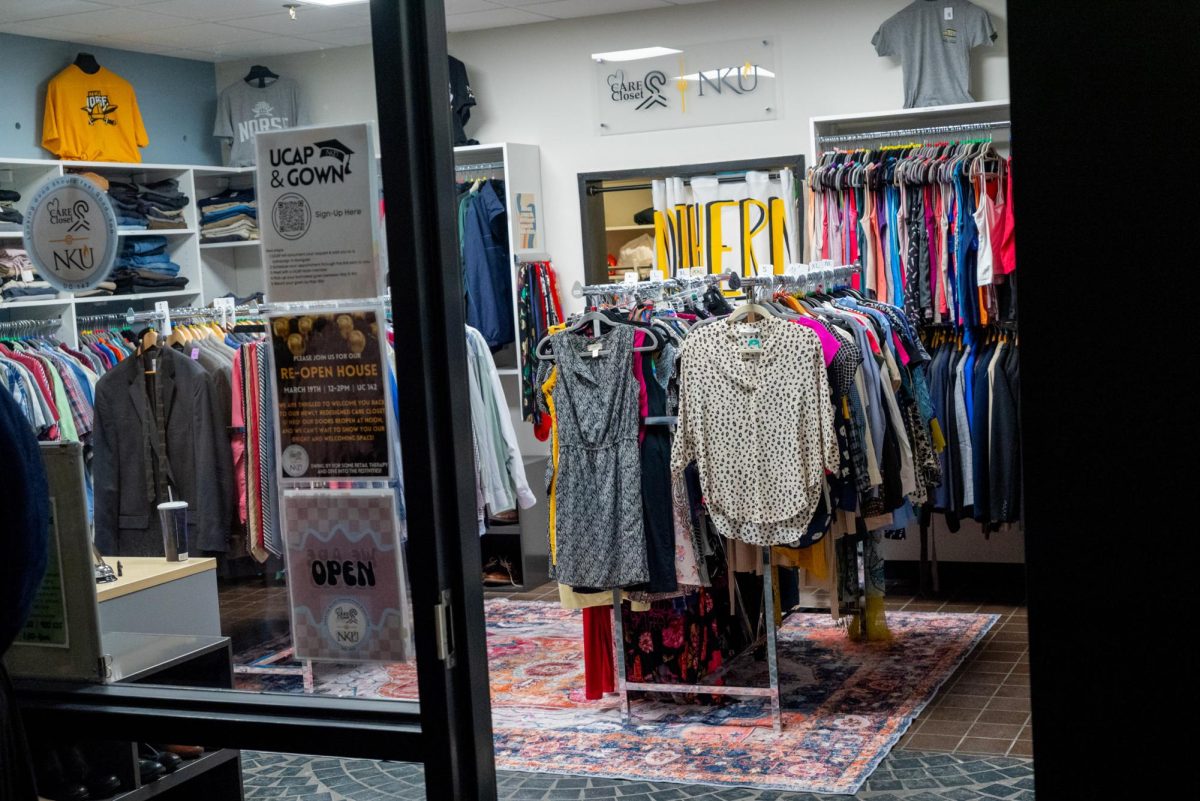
334,149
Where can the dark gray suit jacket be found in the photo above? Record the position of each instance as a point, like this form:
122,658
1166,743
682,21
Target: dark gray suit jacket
127,521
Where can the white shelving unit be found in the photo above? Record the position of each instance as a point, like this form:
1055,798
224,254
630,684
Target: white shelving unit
216,269
26,175
896,119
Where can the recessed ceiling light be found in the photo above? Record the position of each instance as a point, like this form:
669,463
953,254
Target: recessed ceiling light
634,55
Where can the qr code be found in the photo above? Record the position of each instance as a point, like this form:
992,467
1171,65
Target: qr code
291,216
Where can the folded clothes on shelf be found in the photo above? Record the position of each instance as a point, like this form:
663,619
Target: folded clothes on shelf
12,262
236,236
17,289
101,289
143,245
230,216
130,282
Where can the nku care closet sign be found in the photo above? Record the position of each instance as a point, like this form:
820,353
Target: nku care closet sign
684,86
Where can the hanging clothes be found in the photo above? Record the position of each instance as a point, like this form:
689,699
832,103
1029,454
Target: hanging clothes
487,269
154,441
499,467
600,535
931,224
539,311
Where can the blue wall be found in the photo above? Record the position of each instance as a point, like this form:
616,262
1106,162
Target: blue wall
178,98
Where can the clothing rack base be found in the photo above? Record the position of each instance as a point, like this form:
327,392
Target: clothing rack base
767,609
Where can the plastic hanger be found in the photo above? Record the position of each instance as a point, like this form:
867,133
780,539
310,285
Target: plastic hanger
596,320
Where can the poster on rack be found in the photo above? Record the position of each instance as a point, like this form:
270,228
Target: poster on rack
346,582
318,200
331,385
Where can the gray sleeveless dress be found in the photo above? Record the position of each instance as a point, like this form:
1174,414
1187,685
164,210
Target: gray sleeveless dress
600,541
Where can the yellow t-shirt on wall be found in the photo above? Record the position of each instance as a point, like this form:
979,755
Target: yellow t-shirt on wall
92,117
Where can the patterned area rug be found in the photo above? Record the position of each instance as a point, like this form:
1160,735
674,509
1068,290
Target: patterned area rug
846,704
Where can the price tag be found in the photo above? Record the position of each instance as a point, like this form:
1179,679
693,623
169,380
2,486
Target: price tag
631,277
656,275
765,270
26,275
163,311
948,13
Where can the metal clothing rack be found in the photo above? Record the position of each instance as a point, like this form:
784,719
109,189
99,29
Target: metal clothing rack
771,692
923,131
679,283
721,179
25,327
479,166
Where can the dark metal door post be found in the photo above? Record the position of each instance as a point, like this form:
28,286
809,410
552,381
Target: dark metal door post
412,80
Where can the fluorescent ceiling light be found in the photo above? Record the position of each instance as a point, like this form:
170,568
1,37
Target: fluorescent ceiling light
635,54
714,75
331,2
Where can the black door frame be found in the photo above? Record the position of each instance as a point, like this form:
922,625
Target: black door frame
450,729
591,201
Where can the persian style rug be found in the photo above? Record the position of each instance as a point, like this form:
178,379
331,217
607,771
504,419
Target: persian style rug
845,703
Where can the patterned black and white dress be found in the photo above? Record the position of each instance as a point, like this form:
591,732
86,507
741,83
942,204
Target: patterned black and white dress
600,540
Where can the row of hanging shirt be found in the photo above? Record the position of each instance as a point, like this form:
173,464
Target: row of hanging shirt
163,416
791,431
54,385
931,224
975,386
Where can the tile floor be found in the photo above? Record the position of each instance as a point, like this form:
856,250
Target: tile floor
903,776
971,743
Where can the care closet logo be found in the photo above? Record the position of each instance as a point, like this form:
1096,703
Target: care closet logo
647,91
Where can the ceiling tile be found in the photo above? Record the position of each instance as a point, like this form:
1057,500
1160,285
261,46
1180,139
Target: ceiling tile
466,6
215,10
346,37
500,18
17,11
270,46
201,34
567,9
309,20
116,22
40,29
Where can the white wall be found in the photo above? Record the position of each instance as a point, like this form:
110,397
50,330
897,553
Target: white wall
535,85
336,85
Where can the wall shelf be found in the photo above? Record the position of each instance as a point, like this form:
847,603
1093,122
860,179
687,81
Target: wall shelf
155,231
249,243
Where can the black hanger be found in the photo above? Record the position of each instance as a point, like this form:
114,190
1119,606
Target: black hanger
261,74
87,62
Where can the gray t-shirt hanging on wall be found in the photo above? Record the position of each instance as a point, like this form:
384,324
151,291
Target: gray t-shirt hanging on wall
933,39
244,110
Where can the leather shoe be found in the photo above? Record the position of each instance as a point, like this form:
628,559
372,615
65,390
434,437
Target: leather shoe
100,784
53,782
150,770
170,762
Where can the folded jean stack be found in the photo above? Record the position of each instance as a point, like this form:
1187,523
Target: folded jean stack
10,218
144,265
231,216
18,281
156,206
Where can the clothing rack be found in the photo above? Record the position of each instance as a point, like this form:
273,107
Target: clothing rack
23,327
721,179
772,691
678,283
925,131
817,274
484,165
